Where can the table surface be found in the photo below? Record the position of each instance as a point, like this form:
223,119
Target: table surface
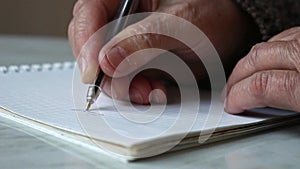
23,147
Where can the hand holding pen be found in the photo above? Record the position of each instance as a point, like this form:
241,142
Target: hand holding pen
126,8
91,15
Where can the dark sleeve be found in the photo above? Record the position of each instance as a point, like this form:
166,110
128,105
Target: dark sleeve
272,16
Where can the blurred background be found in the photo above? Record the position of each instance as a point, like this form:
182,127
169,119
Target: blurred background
34,31
35,17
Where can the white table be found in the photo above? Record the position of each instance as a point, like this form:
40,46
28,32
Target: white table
22,147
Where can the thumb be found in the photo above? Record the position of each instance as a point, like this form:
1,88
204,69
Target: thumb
142,35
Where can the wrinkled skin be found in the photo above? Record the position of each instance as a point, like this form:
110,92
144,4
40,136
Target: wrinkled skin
222,21
269,76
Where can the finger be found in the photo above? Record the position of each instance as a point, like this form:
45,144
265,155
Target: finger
115,88
71,34
112,55
287,35
276,88
89,16
141,91
266,56
77,6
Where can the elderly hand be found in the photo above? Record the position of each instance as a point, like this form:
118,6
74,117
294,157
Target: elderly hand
222,21
269,76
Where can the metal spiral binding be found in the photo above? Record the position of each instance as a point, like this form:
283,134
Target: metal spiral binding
36,67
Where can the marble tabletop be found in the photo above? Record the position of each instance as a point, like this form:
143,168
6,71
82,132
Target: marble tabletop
23,147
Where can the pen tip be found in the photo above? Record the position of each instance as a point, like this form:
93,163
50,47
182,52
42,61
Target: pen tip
88,106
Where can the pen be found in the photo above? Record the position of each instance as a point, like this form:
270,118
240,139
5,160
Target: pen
126,7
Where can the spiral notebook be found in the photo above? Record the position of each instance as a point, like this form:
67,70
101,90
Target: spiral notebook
42,97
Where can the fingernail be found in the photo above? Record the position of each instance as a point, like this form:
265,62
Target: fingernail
136,96
82,63
225,104
157,97
112,59
117,53
115,56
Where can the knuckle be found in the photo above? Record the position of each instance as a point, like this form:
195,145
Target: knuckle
296,94
264,84
139,28
294,52
256,52
140,38
260,83
147,40
289,85
80,28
